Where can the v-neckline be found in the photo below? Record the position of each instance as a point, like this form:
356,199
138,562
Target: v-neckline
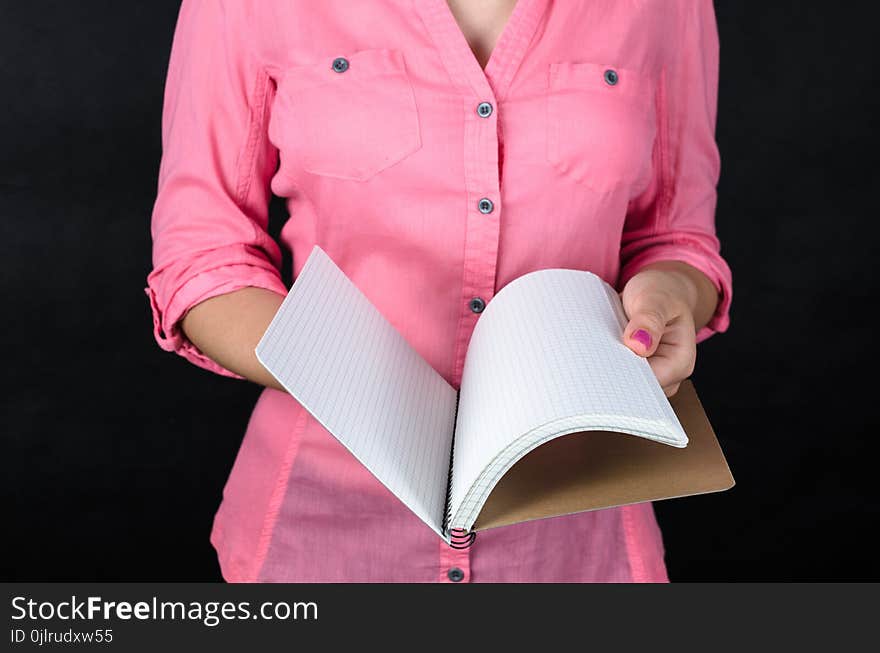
506,55
497,40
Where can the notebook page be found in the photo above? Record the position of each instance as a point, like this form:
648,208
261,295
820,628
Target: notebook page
546,358
332,349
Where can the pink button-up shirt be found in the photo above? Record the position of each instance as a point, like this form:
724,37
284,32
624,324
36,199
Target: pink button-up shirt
590,133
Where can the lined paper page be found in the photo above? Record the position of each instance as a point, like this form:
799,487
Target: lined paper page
546,358
352,370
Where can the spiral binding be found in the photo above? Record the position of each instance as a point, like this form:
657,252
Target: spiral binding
459,538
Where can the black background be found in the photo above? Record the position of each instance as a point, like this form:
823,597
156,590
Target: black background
115,453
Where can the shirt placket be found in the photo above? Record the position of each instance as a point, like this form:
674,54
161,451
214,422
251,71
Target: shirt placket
482,230
480,92
483,220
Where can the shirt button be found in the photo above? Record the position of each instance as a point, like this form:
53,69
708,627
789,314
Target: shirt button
477,305
485,205
611,77
455,574
484,109
340,64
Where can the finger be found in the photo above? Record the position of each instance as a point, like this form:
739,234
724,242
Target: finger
676,356
647,323
671,364
670,390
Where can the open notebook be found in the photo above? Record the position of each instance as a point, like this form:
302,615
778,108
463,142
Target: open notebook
545,366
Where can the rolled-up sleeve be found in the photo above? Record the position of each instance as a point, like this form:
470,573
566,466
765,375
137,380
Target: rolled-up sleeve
674,219
210,215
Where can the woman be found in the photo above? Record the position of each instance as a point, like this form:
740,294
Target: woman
435,150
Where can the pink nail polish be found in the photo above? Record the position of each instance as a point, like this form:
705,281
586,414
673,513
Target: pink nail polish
643,337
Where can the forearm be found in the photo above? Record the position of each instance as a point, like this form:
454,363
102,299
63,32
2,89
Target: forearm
693,287
227,328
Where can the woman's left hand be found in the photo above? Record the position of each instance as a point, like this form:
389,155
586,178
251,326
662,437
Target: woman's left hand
660,302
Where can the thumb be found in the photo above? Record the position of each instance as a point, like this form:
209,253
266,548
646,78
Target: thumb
647,322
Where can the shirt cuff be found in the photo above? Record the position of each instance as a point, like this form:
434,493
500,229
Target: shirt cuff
709,263
202,286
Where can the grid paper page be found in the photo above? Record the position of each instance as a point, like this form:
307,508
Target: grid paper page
546,358
352,370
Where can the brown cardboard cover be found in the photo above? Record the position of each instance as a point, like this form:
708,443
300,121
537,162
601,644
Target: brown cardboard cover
596,469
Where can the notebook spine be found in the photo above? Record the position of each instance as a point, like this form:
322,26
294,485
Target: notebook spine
459,538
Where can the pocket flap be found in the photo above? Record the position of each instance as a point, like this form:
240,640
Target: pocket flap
361,64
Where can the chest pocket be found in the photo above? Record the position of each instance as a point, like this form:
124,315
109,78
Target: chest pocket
601,124
347,115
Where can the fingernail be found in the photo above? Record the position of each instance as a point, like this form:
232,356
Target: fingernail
643,337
